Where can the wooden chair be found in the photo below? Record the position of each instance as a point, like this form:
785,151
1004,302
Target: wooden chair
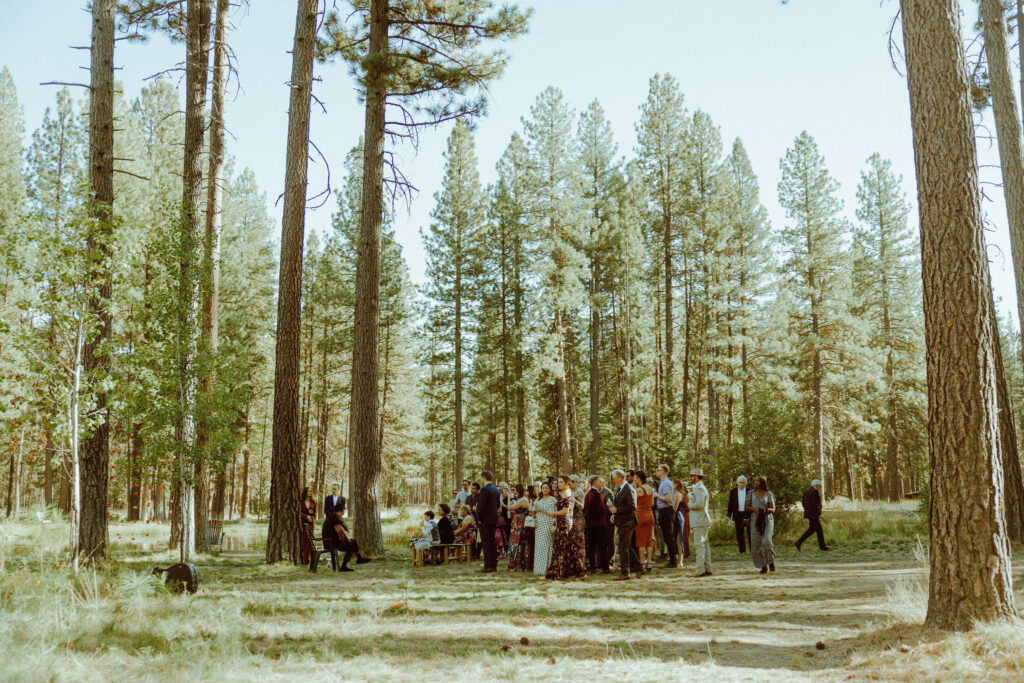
215,533
318,549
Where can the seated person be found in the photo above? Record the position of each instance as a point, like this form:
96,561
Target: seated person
335,535
445,530
429,530
467,527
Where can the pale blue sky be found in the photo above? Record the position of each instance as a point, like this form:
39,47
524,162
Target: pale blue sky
763,71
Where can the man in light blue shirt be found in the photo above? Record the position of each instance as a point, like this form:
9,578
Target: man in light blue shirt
666,514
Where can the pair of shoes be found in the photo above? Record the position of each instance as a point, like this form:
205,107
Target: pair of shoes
671,565
345,569
764,570
639,575
825,550
624,577
697,576
771,568
487,570
363,560
797,544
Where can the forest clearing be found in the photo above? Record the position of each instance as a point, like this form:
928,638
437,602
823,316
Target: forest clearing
863,603
683,366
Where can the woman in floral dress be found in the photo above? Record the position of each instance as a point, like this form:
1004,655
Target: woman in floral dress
543,508
518,510
566,559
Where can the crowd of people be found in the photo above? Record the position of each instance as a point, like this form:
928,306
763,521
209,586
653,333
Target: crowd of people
569,526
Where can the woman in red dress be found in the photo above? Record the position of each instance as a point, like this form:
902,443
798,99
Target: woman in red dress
644,520
307,516
566,559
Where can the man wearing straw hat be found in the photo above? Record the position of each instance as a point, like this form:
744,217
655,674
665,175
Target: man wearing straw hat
700,521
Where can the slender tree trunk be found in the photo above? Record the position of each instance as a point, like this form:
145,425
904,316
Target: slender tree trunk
95,448
561,399
522,456
1008,129
135,472
283,528
365,454
595,355
191,255
48,455
460,455
970,576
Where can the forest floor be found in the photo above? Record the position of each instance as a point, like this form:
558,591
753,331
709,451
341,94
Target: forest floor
852,614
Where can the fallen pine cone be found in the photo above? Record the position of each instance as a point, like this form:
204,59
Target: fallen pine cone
819,645
524,641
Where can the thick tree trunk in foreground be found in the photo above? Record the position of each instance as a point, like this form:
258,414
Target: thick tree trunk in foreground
365,454
190,267
283,530
1004,108
970,561
95,447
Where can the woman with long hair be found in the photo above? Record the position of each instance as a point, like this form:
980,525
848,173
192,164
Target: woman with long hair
542,538
762,527
566,560
681,507
519,509
307,517
644,520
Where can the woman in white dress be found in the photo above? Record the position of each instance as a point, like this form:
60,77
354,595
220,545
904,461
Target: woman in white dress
542,534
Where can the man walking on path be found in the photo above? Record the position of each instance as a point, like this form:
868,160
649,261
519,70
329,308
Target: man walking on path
739,511
700,521
812,513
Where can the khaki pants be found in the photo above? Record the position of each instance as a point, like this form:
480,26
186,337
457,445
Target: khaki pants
702,549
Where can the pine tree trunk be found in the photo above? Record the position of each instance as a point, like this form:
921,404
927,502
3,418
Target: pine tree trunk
365,457
970,556
95,448
191,255
595,355
460,456
522,458
1007,440
135,449
48,453
1008,129
561,400
243,502
283,527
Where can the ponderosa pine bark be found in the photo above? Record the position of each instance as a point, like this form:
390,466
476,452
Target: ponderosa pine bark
95,447
191,261
365,458
211,302
286,455
969,554
1008,134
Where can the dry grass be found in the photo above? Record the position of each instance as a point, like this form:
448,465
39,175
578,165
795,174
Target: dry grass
387,621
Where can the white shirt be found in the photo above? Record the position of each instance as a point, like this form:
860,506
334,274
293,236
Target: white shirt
741,498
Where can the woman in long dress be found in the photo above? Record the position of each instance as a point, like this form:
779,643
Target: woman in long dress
566,560
307,515
762,527
644,521
682,525
518,509
542,533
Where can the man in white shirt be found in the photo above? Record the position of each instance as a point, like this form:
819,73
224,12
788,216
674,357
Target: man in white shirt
739,511
700,521
666,515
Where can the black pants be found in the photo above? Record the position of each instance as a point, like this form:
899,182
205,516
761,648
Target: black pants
814,527
742,522
490,548
597,548
609,537
349,547
629,561
666,522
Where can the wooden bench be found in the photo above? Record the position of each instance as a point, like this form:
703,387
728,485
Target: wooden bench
440,553
318,549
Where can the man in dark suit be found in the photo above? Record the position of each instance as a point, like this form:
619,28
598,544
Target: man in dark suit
595,514
333,502
624,517
740,502
487,502
335,535
812,513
